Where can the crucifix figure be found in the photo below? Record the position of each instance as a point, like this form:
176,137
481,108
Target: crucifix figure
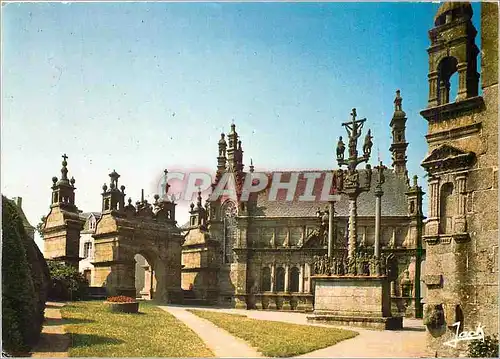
353,129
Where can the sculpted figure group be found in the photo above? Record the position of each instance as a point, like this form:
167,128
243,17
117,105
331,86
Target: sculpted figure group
362,265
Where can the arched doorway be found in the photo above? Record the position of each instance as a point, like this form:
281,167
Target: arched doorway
145,279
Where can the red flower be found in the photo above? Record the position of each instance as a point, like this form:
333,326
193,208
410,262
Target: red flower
120,299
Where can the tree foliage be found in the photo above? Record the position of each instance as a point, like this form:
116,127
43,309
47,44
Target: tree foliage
486,349
39,226
67,282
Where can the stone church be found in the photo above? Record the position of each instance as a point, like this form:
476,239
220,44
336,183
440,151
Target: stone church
461,233
258,253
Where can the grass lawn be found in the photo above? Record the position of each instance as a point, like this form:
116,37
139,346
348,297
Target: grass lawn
276,339
96,332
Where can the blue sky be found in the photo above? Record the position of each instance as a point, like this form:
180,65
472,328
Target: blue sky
139,87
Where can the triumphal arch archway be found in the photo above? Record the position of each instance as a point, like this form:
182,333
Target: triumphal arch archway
122,232
126,230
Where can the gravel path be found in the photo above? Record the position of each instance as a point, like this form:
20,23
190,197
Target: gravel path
54,342
219,341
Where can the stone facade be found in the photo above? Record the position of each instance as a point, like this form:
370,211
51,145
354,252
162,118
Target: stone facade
85,265
462,228
258,253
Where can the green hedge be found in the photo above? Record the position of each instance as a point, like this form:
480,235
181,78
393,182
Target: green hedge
24,284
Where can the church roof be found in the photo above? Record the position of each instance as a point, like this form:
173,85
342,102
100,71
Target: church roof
394,201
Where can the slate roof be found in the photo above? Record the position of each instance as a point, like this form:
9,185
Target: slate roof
394,201
186,225
85,215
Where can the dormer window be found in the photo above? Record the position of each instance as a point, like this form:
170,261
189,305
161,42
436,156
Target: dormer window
92,224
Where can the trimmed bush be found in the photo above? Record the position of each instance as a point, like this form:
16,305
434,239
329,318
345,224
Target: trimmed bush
67,282
22,310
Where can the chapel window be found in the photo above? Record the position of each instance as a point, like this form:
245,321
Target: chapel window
230,227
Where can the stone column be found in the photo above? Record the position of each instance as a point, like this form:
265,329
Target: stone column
378,213
287,275
432,228
444,92
273,271
460,221
462,81
432,89
330,229
307,271
301,278
352,227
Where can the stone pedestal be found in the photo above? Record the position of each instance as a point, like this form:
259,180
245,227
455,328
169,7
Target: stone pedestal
240,302
354,300
286,303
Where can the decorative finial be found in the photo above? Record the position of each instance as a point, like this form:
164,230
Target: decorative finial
129,201
64,169
156,197
251,166
54,180
415,181
142,195
199,198
122,187
72,181
105,187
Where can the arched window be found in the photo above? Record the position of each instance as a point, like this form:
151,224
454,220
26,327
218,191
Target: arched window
265,284
446,210
229,218
447,67
280,279
294,279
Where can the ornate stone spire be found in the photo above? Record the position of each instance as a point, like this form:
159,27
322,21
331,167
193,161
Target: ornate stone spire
399,144
63,191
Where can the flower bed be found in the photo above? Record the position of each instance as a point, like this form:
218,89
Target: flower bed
122,304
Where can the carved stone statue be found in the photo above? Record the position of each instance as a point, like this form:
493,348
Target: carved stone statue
315,265
340,149
360,265
340,179
321,266
351,179
367,147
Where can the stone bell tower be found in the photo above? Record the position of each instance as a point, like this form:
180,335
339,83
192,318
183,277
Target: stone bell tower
462,166
61,231
399,144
